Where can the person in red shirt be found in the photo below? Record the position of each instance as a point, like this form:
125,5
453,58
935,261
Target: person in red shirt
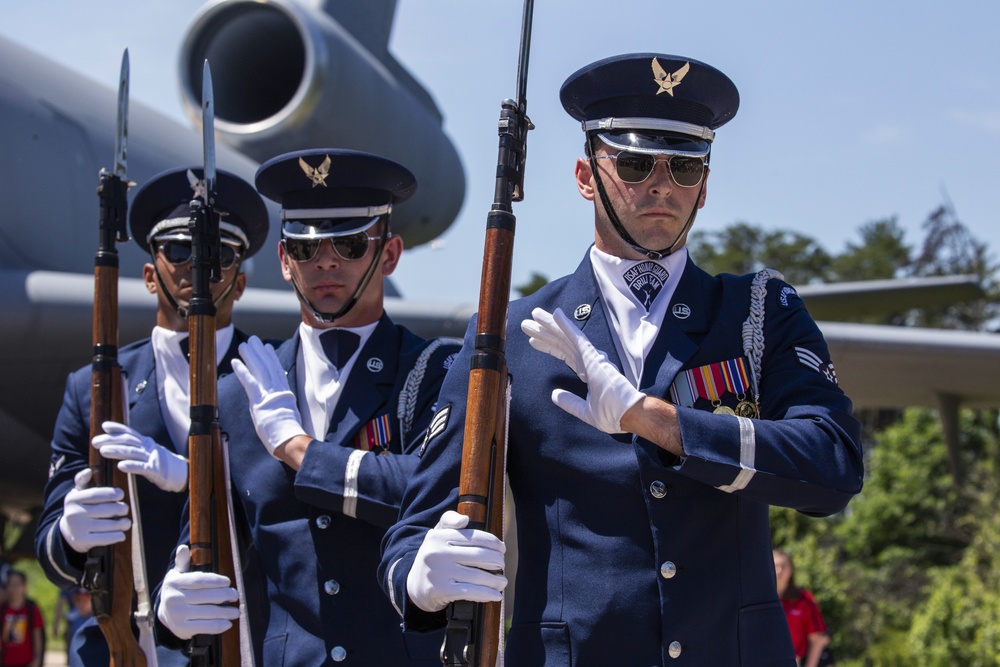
22,636
805,621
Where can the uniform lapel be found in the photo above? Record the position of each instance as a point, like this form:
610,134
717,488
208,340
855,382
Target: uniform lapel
369,386
145,414
583,293
288,354
686,315
226,365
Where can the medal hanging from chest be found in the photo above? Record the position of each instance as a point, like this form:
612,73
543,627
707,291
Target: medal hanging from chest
711,382
375,436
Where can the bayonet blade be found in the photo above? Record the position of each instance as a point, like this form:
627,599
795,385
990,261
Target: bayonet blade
121,138
208,129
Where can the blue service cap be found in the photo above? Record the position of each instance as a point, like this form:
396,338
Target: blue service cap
651,102
333,191
161,209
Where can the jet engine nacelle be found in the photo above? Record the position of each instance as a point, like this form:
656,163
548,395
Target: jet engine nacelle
288,77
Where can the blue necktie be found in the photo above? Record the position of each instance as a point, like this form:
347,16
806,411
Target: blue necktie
339,345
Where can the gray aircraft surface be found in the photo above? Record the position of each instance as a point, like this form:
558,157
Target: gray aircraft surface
280,70
56,133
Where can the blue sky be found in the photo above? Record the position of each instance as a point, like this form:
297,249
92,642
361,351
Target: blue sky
850,111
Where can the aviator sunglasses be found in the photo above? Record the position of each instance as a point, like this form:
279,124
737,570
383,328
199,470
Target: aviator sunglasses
350,246
685,170
179,252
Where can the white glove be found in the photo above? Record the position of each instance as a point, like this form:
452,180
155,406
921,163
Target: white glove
140,455
609,393
454,564
93,517
273,407
195,603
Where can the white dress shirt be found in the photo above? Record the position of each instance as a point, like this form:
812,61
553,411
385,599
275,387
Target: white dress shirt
320,383
637,293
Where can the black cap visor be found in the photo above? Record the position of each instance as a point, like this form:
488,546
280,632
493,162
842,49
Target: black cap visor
655,143
319,228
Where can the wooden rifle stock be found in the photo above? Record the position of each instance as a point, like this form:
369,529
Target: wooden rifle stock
211,530
474,633
108,570
211,547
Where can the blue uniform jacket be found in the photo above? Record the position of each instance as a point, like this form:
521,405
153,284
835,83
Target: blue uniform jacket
313,559
628,555
162,511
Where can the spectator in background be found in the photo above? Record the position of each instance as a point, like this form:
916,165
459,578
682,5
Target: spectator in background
22,640
805,622
73,608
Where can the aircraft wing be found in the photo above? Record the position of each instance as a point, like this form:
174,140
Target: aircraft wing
894,367
842,300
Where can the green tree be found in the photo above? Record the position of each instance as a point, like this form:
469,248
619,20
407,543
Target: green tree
896,573
744,248
960,622
882,253
949,248
535,283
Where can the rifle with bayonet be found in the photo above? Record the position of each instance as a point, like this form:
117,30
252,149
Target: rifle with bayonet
107,573
474,634
211,545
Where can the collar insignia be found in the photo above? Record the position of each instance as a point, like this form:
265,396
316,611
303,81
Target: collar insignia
375,364
316,174
197,186
645,280
667,82
582,312
682,311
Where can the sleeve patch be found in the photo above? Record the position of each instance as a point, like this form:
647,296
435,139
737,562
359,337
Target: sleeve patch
811,361
55,464
437,426
788,297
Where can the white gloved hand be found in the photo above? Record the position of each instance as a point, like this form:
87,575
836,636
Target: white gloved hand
141,455
195,603
609,393
454,564
273,407
93,517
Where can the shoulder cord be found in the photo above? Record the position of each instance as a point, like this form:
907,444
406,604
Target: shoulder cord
753,328
411,388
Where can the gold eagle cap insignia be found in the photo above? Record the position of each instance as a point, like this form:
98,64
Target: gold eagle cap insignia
316,174
667,82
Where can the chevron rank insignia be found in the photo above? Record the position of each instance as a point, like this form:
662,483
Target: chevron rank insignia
811,361
437,426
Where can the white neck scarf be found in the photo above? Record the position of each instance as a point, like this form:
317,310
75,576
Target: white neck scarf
173,379
320,384
637,293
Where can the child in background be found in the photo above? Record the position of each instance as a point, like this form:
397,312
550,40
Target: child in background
22,639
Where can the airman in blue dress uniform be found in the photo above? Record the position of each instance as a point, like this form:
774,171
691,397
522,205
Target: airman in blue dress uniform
656,413
323,431
76,517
